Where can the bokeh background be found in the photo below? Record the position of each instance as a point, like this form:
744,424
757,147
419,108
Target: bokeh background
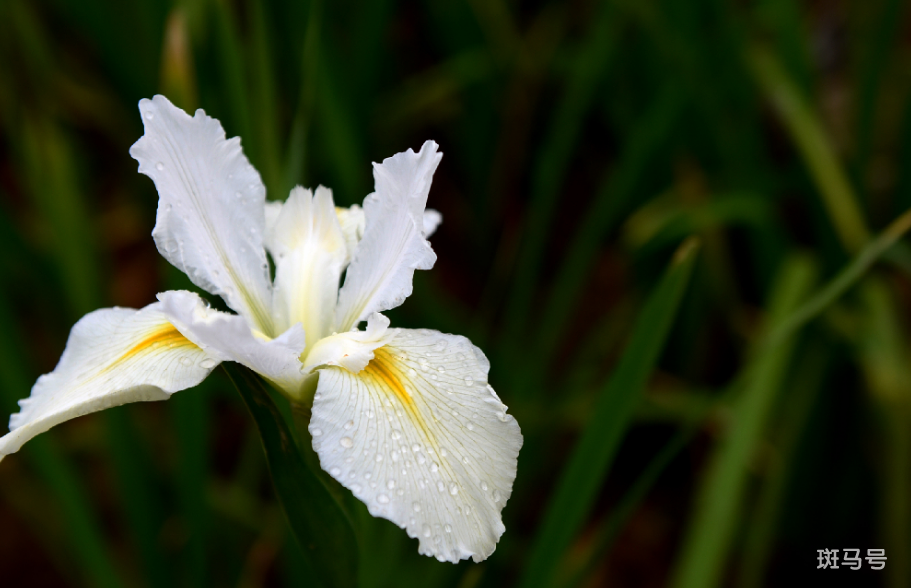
583,143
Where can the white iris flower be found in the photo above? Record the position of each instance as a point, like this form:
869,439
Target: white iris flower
403,418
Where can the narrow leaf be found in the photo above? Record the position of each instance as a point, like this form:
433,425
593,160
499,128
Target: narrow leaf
324,532
718,503
591,459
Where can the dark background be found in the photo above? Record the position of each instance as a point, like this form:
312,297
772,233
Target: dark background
583,142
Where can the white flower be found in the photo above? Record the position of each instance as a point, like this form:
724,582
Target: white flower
403,418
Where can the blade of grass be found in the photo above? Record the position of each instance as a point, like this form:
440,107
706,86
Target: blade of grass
297,153
579,482
717,508
760,530
607,209
626,507
320,525
266,155
553,160
807,133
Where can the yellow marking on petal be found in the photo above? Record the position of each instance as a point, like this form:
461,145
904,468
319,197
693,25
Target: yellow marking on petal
164,335
382,368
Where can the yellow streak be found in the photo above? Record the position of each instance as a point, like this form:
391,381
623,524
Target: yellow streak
382,368
164,335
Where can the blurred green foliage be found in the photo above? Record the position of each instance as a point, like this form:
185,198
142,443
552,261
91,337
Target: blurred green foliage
714,431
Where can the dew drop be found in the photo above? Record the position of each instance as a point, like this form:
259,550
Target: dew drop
421,459
448,528
316,432
443,452
400,491
426,530
348,425
465,460
335,471
416,447
453,488
185,360
468,381
434,467
484,486
496,496
416,506
467,510
346,442
390,484
159,166
382,499
396,435
207,363
412,371
379,457
355,488
440,486
395,455
150,116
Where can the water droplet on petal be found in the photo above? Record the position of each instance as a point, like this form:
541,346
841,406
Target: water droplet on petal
348,425
379,457
453,488
468,381
335,471
434,467
447,528
316,432
416,506
426,530
346,442
467,510
185,360
150,116
382,499
396,435
440,486
484,486
496,496
159,166
355,488
390,484
207,363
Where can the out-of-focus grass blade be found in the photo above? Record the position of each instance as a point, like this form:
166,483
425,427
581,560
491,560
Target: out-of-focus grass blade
233,73
858,266
718,502
626,507
883,352
298,140
591,458
606,210
322,528
807,133
553,159
263,99
875,48
760,530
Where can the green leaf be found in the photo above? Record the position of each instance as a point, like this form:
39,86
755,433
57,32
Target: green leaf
325,534
591,459
718,503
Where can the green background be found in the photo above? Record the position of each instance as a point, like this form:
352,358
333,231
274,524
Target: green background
710,417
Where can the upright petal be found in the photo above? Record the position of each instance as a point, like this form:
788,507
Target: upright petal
113,356
230,338
353,224
210,211
393,245
309,250
422,439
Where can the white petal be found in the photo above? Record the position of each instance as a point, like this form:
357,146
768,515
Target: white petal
229,337
422,439
352,350
309,250
210,213
113,356
432,220
353,224
393,246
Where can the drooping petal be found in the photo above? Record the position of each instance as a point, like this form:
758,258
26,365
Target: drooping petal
422,439
210,212
229,337
309,250
113,356
393,245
